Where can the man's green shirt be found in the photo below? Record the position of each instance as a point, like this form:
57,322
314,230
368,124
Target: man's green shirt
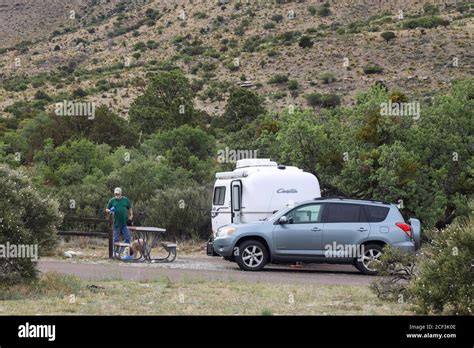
121,210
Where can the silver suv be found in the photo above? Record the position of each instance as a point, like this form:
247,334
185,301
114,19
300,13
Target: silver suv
324,230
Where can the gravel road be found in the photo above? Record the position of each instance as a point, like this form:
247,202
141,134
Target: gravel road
213,268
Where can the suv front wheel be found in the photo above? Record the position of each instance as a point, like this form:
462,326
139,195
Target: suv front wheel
366,264
252,255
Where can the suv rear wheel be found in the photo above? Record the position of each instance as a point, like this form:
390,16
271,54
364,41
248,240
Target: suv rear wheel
252,256
372,254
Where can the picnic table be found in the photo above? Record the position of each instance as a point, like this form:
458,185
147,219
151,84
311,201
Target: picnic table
143,240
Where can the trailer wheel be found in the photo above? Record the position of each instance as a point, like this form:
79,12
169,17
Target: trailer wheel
252,256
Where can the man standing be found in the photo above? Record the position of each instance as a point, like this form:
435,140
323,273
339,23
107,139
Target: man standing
122,209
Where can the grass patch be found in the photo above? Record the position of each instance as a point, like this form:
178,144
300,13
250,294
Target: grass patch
48,286
188,296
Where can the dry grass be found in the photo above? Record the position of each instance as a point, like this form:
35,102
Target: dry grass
161,296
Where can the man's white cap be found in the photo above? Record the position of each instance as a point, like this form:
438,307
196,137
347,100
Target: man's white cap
117,190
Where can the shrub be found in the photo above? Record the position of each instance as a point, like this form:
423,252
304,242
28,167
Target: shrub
252,43
323,100
28,218
444,282
278,95
327,77
183,212
243,106
425,22
372,69
293,85
397,268
151,44
430,10
324,10
15,85
139,46
79,93
232,67
278,78
305,42
200,15
277,18
288,37
43,95
438,280
388,35
312,10
166,103
269,25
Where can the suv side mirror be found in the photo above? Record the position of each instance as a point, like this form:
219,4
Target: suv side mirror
283,220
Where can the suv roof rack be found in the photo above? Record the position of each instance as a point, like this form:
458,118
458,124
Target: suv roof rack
351,198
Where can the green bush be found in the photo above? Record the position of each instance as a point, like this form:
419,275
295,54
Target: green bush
277,18
278,78
323,100
43,95
445,279
15,84
151,44
269,25
79,93
438,280
243,106
140,46
430,10
372,69
397,269
324,10
200,15
184,212
327,77
28,218
166,103
293,85
288,37
425,22
305,42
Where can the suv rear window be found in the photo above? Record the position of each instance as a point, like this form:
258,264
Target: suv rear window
343,212
375,214
219,195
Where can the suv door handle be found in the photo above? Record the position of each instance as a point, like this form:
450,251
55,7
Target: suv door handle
362,229
316,229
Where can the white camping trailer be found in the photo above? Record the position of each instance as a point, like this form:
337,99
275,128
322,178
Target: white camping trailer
256,189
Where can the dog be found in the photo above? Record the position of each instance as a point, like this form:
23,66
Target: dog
136,249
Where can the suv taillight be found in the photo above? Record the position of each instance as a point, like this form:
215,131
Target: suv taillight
405,228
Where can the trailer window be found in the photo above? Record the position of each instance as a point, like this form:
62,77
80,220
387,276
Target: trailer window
219,195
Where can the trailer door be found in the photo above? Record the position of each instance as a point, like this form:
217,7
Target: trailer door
236,201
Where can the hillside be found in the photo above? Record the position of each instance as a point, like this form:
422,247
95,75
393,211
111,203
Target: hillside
108,48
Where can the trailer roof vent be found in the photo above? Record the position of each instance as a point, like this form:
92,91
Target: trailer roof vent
281,166
255,162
